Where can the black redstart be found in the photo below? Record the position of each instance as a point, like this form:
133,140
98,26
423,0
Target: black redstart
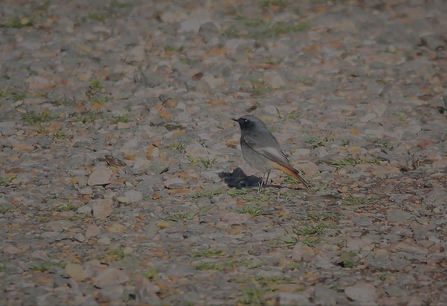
261,150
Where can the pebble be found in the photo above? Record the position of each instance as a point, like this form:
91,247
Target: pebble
40,254
123,200
60,225
274,80
75,271
326,296
86,191
102,208
432,41
286,298
399,216
84,209
302,252
100,176
110,294
92,231
362,293
79,237
136,54
133,196
408,247
9,250
104,241
110,276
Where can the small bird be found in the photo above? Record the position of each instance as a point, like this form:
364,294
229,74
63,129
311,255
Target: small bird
261,150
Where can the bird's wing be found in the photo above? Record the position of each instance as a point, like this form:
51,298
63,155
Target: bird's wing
272,152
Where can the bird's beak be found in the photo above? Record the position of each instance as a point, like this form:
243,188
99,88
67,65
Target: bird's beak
237,120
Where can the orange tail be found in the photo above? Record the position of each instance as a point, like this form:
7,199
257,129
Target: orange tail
294,173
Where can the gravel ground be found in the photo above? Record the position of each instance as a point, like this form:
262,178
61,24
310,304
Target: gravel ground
120,166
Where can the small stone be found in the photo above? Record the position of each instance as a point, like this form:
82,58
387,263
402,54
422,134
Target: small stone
75,271
39,82
274,80
92,231
110,295
60,225
115,228
110,276
233,218
362,293
212,81
173,15
128,250
102,30
123,125
326,296
208,31
362,221
164,114
22,147
152,79
133,195
436,248
79,237
86,191
302,252
358,244
137,54
123,200
368,117
408,247
102,208
433,42
170,103
7,128
140,165
104,241
100,176
153,152
84,209
322,262
174,183
288,298
395,291
399,216
10,250
39,254
196,19
163,224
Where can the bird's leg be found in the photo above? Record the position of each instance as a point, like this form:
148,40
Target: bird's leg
261,183
267,180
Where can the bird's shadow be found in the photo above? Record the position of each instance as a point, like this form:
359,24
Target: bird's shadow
238,179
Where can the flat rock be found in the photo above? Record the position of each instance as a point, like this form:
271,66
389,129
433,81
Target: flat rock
92,231
100,176
102,208
75,271
362,293
110,276
133,196
399,216
302,252
60,225
408,247
110,294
